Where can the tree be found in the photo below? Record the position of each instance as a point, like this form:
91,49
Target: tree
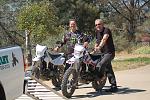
85,12
130,10
145,27
40,19
8,32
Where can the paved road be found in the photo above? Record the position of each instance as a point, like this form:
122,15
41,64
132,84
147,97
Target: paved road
133,85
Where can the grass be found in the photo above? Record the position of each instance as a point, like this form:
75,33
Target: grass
142,50
130,63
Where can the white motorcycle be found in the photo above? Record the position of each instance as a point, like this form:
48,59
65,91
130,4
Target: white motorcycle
83,70
48,64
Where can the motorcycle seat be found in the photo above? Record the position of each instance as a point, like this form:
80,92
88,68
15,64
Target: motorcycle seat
54,56
95,57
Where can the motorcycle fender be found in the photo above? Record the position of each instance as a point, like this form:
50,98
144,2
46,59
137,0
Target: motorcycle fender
36,59
72,60
58,61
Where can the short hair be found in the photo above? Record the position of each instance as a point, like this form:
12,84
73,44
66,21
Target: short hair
99,20
72,20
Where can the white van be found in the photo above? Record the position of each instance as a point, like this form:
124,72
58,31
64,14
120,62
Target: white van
11,73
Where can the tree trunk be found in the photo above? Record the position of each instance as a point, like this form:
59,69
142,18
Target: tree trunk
132,20
28,48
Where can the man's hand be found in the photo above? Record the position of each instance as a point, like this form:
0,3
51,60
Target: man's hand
85,44
92,52
56,49
97,48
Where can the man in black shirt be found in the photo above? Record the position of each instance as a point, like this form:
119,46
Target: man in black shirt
104,44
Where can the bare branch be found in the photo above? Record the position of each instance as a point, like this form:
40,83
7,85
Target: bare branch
126,6
119,11
137,1
144,4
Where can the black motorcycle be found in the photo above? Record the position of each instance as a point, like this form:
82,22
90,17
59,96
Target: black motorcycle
83,69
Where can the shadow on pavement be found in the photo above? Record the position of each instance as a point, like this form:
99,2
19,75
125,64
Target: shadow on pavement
124,90
121,90
89,95
127,90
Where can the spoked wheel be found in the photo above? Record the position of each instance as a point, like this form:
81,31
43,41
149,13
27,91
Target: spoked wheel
69,82
57,78
36,70
99,84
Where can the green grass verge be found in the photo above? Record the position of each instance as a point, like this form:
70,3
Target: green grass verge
142,50
130,63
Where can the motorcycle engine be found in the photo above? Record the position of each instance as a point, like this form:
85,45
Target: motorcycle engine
88,76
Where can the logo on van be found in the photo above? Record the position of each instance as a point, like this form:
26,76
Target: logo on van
4,60
15,60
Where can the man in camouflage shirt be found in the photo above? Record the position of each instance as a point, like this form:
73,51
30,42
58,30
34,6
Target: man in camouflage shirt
71,38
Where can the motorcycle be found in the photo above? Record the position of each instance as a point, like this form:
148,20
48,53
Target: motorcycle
48,64
83,69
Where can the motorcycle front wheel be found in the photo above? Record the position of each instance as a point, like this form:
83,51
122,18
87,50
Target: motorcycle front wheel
69,82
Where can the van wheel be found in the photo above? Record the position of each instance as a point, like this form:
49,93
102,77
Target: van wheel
2,95
25,86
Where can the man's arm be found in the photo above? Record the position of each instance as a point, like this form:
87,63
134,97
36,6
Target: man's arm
102,43
61,43
85,40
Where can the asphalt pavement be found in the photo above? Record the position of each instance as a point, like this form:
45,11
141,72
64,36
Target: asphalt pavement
133,84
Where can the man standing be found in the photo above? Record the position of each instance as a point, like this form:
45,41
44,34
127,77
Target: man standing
71,38
104,44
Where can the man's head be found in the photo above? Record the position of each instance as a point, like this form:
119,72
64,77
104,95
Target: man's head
73,25
99,24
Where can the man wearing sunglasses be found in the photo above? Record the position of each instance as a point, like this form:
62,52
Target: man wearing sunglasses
104,44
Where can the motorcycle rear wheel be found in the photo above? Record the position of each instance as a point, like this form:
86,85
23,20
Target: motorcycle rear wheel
36,70
99,84
69,83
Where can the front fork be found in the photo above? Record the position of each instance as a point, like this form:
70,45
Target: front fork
76,66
